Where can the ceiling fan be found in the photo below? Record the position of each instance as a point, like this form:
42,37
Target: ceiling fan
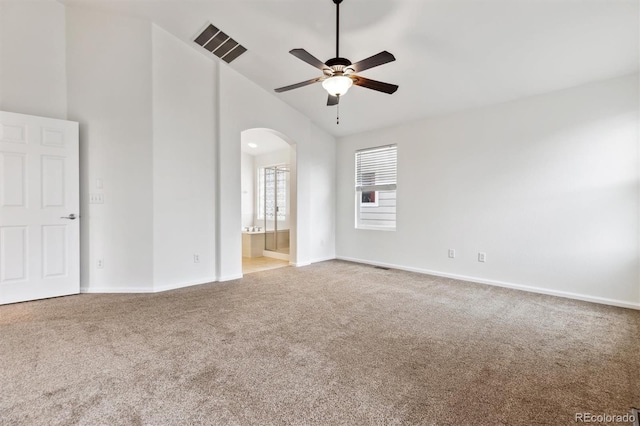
339,74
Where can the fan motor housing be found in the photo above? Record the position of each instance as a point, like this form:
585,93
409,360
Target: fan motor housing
338,61
339,66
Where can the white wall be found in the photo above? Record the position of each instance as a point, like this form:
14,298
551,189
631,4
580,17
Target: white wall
110,94
146,107
183,163
32,58
274,158
547,186
120,79
322,205
247,106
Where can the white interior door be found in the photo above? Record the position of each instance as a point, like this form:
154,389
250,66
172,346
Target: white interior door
39,208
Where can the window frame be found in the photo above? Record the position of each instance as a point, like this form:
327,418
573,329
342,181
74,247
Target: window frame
367,184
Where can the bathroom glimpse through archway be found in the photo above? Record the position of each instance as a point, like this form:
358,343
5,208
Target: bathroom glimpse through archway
268,199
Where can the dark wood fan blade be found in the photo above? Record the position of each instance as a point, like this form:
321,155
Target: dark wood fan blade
333,100
297,85
374,85
373,61
309,58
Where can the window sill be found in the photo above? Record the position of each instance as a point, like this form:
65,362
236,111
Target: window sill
375,228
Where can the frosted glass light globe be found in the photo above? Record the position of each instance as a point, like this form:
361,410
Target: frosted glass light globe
337,85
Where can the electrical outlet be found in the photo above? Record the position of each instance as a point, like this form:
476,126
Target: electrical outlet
452,253
196,258
100,264
482,257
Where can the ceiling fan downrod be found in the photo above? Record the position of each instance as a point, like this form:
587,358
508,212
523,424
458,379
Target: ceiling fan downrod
341,63
337,2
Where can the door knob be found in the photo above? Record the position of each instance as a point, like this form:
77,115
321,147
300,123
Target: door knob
70,217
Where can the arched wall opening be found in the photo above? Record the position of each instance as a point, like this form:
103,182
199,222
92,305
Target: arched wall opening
269,150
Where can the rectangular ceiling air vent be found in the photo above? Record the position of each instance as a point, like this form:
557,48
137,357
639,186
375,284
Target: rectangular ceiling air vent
220,44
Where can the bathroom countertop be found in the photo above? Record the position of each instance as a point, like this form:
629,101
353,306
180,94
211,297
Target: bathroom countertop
259,232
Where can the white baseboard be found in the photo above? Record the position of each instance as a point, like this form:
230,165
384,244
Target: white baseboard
230,277
115,290
300,264
322,259
176,286
531,289
156,289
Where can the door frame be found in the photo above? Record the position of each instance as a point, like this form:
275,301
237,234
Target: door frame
293,191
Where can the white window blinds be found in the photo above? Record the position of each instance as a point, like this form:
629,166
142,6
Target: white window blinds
377,168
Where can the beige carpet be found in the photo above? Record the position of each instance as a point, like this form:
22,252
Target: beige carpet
332,343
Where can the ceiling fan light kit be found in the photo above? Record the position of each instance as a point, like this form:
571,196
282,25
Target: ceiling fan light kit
337,85
339,74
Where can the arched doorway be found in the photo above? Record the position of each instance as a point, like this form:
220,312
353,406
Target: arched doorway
268,199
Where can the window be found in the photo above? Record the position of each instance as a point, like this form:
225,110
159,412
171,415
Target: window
272,180
376,172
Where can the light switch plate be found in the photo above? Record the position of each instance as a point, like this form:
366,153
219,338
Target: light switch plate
96,199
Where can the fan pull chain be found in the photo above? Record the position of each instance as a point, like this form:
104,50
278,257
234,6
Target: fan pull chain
338,114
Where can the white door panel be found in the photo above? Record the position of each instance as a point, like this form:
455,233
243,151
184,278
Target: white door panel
39,187
13,192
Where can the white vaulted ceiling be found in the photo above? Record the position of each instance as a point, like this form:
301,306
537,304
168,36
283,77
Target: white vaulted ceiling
450,55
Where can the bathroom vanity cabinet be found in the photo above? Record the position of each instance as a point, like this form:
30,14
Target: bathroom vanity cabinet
252,244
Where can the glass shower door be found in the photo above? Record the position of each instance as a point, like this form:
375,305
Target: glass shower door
282,210
275,191
270,207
